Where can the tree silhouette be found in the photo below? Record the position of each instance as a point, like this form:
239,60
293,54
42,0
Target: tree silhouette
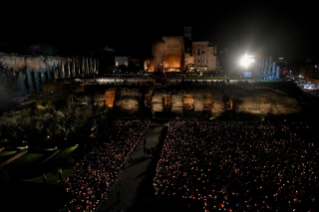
53,70
43,78
21,85
30,83
60,70
36,79
48,73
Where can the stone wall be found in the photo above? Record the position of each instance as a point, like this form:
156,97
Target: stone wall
190,99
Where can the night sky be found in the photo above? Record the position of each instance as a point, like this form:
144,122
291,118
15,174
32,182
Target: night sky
265,27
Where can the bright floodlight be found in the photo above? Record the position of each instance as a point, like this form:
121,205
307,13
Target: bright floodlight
246,61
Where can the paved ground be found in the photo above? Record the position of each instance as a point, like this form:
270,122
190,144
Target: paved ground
135,183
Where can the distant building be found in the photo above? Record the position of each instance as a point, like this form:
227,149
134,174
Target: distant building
121,61
168,55
205,56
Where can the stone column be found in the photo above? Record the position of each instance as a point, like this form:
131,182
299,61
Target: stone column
94,65
91,66
269,66
68,69
97,66
86,66
62,69
262,65
278,72
83,68
266,67
73,67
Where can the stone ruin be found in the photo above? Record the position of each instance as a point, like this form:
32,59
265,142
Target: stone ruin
250,99
266,68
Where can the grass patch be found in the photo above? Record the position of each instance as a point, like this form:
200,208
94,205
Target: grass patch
7,153
52,177
61,160
25,168
20,168
67,152
28,159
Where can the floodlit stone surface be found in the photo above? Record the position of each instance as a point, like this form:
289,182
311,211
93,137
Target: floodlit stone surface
127,104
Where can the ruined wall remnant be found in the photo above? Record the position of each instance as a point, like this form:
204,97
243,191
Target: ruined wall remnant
198,102
168,54
218,105
99,100
157,103
129,105
167,102
173,54
188,102
131,92
148,100
177,103
208,102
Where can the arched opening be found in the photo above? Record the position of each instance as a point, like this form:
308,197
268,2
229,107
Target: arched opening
208,102
230,104
167,102
109,97
148,100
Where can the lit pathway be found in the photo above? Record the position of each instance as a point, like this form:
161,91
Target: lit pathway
136,180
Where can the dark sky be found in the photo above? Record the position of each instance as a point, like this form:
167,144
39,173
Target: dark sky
266,27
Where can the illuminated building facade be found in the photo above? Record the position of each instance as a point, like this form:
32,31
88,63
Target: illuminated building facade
205,56
168,55
121,61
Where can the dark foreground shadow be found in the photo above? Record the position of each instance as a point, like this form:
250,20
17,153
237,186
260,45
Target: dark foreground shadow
145,199
23,196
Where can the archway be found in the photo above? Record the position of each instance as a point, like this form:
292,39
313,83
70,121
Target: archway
109,97
167,102
208,102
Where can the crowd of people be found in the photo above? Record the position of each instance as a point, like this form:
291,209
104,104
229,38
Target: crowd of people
125,75
239,166
95,175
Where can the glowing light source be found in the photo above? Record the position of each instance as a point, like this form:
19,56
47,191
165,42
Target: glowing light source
247,60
